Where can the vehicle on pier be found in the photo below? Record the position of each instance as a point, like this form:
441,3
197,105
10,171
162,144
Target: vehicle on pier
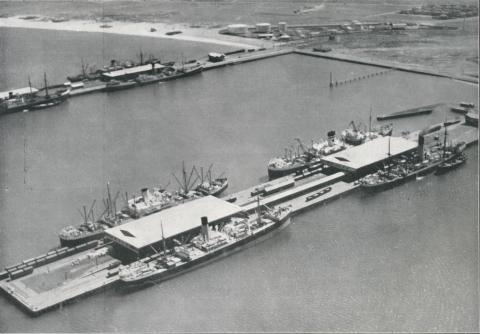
212,243
318,194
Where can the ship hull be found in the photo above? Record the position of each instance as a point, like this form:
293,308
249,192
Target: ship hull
134,284
186,73
72,242
442,169
122,86
40,103
433,167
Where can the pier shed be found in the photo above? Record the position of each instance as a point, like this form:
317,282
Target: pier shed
370,155
146,235
133,72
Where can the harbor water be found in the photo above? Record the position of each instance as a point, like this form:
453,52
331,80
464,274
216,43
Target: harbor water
401,260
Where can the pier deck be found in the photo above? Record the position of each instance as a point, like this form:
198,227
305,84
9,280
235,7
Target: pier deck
63,280
246,57
455,132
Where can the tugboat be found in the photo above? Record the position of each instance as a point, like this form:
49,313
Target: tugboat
32,100
310,158
212,243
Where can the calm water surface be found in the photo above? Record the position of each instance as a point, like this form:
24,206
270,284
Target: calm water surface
402,260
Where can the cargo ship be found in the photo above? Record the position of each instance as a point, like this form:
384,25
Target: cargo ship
211,244
91,228
398,171
352,135
157,199
170,73
30,99
150,201
310,158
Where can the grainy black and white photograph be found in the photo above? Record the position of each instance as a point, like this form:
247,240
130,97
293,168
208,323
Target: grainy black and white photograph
208,166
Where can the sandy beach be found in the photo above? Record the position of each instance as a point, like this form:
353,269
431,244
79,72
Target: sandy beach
200,34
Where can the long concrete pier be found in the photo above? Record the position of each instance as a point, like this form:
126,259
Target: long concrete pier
253,55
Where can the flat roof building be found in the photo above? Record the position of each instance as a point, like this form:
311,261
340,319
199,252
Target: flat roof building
169,223
132,71
360,158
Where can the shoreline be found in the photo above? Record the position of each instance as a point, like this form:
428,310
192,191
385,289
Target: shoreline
141,29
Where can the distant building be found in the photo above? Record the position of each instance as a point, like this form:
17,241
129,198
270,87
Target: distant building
237,29
263,27
215,57
282,27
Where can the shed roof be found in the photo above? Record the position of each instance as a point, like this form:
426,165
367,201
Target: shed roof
369,153
132,70
179,219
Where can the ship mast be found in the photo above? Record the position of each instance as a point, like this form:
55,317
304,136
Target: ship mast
30,84
388,154
45,81
370,120
163,240
445,140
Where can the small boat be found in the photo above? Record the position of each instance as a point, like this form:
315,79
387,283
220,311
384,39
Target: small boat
175,32
468,105
318,194
452,164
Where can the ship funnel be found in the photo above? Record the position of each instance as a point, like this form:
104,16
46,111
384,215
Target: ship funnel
421,141
112,62
145,194
331,137
205,228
